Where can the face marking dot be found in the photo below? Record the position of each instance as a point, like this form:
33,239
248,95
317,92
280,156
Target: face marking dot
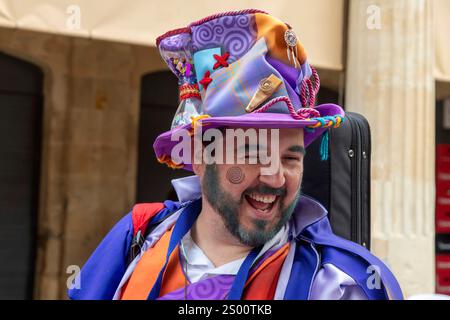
235,175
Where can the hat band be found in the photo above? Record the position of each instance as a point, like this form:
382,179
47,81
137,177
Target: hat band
189,91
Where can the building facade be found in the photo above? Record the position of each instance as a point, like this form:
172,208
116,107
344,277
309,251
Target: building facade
95,105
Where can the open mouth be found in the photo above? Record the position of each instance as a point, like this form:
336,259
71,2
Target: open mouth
262,204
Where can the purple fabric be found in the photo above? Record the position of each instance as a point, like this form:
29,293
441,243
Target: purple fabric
215,288
293,96
175,50
290,74
305,72
179,42
308,212
335,253
331,283
232,88
263,258
235,34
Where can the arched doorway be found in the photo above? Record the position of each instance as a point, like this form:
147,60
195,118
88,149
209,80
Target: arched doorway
20,145
159,101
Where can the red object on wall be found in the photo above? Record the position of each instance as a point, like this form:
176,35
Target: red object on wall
443,274
443,218
443,188
443,152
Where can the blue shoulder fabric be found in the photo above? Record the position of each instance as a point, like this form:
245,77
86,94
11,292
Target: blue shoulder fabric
103,271
101,274
304,266
354,260
169,207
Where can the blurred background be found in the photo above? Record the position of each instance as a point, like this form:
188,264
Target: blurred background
84,93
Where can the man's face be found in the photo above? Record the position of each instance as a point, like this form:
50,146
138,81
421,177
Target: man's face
254,206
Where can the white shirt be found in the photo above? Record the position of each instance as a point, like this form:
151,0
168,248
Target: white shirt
197,265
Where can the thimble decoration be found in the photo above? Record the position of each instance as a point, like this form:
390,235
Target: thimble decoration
266,88
291,43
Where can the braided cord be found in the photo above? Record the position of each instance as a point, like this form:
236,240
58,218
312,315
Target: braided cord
327,121
300,114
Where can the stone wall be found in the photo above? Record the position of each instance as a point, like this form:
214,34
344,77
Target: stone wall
88,173
390,80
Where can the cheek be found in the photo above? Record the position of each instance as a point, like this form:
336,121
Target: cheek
293,182
234,175
236,179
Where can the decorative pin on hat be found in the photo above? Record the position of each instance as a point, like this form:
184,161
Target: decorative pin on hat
291,43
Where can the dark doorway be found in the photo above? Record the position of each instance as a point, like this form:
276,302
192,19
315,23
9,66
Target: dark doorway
159,101
327,95
20,145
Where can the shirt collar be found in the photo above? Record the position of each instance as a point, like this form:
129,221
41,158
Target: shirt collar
187,188
196,258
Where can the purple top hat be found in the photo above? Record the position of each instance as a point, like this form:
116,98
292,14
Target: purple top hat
242,69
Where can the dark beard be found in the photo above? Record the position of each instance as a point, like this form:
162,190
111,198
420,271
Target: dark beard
228,208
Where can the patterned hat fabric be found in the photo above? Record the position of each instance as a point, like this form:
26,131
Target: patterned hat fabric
242,69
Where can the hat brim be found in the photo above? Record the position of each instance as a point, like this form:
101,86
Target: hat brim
163,144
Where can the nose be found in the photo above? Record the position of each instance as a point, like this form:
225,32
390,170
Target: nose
275,180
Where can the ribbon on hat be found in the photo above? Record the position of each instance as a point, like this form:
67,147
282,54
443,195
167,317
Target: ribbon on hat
300,114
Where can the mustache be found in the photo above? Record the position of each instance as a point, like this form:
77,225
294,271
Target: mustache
263,189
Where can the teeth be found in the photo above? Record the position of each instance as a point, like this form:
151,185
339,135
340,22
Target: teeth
263,198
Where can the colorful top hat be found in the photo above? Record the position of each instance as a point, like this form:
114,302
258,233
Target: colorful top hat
242,69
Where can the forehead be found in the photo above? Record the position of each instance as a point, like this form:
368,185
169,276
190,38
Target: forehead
292,135
286,136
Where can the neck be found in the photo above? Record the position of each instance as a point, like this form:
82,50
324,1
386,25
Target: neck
211,235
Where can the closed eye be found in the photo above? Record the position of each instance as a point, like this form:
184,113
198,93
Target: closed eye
292,158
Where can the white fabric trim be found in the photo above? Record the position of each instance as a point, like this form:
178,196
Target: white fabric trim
283,279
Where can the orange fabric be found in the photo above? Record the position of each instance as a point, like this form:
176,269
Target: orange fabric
263,282
273,31
173,278
260,285
144,275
